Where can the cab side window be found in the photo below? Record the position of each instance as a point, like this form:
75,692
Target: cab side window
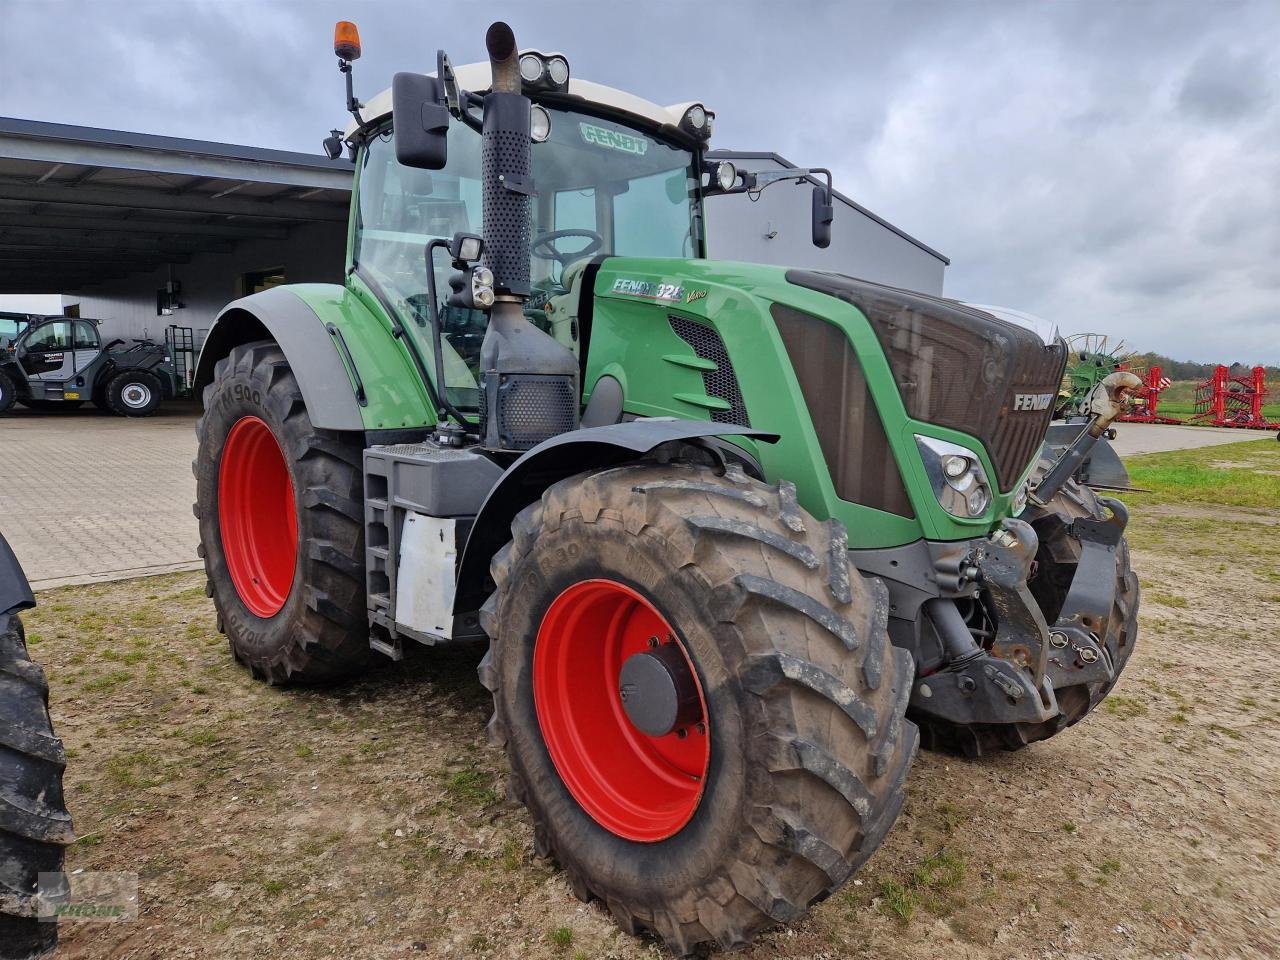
84,336
52,336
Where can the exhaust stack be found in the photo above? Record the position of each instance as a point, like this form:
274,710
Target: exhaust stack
529,388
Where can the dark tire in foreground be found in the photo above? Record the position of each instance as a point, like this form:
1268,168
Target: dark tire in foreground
1055,567
34,824
134,393
8,392
281,523
786,764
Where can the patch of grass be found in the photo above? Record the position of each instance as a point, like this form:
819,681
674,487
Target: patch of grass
302,751
1126,708
934,884
275,887
562,937
896,900
106,682
1234,474
471,786
1109,866
136,771
1226,731
1178,717
1068,827
1164,599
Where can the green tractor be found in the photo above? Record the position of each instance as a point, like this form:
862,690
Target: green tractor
738,537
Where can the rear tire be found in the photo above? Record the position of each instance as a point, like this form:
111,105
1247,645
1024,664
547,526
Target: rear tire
8,392
134,393
295,614
803,696
34,824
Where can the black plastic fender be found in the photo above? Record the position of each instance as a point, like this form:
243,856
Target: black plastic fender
280,315
1101,469
554,460
15,592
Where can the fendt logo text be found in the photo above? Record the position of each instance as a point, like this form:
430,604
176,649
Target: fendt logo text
1032,401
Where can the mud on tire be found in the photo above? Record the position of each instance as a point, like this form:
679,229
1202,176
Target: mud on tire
34,824
319,634
809,749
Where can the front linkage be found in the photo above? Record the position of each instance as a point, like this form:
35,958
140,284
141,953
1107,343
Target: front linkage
1025,663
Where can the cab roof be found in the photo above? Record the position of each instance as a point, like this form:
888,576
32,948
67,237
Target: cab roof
476,77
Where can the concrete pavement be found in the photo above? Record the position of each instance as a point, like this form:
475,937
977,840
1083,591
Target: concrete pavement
88,496
1135,438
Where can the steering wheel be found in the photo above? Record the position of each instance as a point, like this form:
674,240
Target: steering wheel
544,246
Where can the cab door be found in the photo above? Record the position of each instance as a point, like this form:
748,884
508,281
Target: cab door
85,344
45,352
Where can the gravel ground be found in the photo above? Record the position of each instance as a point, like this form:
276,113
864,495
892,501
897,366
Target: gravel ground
370,820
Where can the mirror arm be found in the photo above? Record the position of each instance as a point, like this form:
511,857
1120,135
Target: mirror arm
433,313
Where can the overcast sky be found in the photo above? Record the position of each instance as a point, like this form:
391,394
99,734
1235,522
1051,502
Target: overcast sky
1113,166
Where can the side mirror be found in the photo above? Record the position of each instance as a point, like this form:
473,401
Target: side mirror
419,121
823,214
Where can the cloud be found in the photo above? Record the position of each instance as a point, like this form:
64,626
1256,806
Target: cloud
1114,167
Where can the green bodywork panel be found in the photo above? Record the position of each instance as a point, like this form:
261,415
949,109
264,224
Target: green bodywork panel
395,394
632,340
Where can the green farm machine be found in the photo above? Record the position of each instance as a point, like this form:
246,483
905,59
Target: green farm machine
738,537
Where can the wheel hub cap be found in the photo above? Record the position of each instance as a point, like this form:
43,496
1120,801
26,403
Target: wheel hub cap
621,710
136,395
257,518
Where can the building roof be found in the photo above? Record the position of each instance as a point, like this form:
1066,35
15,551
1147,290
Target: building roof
81,205
784,162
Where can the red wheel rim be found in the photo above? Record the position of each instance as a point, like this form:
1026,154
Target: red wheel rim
639,787
256,516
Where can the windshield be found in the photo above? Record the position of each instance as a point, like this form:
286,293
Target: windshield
624,192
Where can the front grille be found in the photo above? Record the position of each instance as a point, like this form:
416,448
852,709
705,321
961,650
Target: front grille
958,367
844,416
721,382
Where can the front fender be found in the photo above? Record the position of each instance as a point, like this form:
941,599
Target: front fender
592,448
353,373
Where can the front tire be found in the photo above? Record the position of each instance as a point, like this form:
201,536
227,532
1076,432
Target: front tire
35,827
281,514
791,768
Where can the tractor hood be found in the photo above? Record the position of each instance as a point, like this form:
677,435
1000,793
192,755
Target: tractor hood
992,374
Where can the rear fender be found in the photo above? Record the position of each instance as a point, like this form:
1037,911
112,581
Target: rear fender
592,448
353,373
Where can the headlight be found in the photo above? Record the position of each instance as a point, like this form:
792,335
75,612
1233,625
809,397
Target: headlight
957,476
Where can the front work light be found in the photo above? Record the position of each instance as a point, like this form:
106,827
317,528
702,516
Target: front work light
539,124
956,476
466,247
346,40
726,175
558,70
697,121
531,67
